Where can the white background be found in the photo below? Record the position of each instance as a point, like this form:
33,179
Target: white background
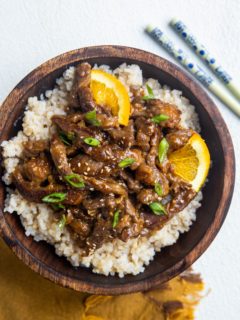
32,31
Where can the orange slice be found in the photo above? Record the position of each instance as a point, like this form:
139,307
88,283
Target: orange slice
192,161
109,91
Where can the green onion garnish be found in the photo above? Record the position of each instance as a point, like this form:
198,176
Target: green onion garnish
91,117
158,189
92,141
157,208
62,222
66,138
57,206
70,135
162,150
62,136
126,162
150,94
159,118
75,180
54,197
115,218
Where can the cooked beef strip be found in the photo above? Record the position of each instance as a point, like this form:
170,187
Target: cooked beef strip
123,136
83,164
113,154
130,209
108,188
107,201
177,139
81,227
32,190
153,222
66,120
157,175
68,124
133,184
107,122
34,148
138,110
37,169
80,97
145,129
101,232
104,153
146,196
156,106
59,156
74,197
79,222
130,223
147,174
182,192
106,185
154,143
79,132
138,94
181,199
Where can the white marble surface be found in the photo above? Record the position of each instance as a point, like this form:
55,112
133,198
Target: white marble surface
33,31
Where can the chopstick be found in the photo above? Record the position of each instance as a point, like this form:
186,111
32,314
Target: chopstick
206,56
193,68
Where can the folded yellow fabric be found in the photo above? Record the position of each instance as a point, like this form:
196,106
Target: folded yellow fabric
24,295
173,301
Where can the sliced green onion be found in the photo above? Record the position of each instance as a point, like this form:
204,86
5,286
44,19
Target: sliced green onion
54,197
66,138
91,117
157,208
92,141
150,94
158,189
115,218
126,162
57,206
62,222
159,118
75,180
162,150
70,136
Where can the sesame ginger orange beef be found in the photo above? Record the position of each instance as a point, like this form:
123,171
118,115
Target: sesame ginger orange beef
102,179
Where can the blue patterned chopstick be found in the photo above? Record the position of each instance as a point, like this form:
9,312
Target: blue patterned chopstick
192,67
206,56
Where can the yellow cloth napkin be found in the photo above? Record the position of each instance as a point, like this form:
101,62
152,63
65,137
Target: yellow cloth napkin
24,295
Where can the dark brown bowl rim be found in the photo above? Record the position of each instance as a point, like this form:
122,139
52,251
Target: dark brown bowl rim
148,58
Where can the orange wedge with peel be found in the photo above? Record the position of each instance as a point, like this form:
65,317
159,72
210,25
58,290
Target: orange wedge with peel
192,161
107,90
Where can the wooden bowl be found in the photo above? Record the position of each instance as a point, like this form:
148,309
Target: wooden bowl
217,193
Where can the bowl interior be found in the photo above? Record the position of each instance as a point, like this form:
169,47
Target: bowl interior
169,256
